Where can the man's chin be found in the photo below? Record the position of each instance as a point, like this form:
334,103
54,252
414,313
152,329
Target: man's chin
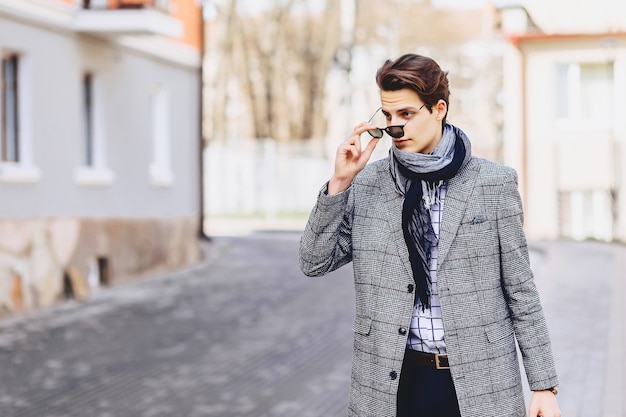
403,145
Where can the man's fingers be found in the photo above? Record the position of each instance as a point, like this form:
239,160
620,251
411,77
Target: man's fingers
354,151
367,127
362,128
357,142
351,150
369,149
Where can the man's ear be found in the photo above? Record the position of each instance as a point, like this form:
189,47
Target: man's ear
441,109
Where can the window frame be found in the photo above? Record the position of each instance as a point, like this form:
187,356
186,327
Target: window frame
22,168
93,169
160,170
10,146
574,115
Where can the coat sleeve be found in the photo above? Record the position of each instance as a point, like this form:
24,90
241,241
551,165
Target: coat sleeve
326,242
520,291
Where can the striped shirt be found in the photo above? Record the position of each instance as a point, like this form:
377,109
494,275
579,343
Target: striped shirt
426,330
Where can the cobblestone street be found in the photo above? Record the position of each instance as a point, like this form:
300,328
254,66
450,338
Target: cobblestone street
246,334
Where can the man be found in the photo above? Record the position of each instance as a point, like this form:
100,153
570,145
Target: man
441,269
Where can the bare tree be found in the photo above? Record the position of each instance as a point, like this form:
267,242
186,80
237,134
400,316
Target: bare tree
262,39
275,63
318,42
279,59
219,43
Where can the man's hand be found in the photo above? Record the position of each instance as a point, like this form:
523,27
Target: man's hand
544,404
350,159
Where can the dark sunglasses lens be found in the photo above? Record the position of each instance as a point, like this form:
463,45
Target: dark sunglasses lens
395,131
376,133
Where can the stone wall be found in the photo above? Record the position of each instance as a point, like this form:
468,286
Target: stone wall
43,261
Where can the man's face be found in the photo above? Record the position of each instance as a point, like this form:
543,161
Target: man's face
422,128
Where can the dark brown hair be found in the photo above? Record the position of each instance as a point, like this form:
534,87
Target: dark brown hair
418,73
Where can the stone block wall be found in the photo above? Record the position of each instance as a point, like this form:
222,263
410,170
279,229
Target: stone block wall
43,261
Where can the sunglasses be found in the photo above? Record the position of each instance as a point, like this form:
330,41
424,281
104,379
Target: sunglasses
396,131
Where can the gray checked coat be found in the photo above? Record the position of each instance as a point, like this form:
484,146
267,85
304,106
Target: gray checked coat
488,297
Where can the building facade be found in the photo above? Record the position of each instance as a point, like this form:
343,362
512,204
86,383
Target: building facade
564,126
99,167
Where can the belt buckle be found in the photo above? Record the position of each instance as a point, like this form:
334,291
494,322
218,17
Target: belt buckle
438,357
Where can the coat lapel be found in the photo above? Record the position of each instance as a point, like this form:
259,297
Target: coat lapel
393,209
457,196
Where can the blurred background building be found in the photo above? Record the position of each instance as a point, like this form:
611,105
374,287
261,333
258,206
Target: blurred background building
565,85
536,85
99,169
286,83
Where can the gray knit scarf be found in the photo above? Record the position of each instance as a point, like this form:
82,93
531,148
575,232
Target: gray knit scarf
419,177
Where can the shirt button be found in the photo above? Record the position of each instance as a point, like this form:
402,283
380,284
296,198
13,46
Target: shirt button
410,288
393,375
402,331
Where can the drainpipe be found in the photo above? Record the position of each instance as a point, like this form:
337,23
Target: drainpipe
201,233
524,150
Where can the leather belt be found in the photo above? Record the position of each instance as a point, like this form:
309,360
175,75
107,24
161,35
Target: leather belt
438,360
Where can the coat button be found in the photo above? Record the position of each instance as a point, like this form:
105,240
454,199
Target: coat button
402,331
393,375
410,288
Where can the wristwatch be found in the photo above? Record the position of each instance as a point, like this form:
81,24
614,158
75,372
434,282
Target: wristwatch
553,390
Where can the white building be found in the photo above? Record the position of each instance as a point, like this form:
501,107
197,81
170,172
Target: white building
565,97
99,167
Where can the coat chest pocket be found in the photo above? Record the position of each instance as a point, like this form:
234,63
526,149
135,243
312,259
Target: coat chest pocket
477,225
478,238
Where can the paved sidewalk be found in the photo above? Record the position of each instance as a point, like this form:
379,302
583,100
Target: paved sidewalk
244,226
582,289
246,334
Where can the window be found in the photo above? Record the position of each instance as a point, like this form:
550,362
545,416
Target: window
160,169
587,214
10,120
93,167
584,91
96,4
88,119
16,119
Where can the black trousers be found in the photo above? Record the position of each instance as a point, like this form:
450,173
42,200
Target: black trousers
426,391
